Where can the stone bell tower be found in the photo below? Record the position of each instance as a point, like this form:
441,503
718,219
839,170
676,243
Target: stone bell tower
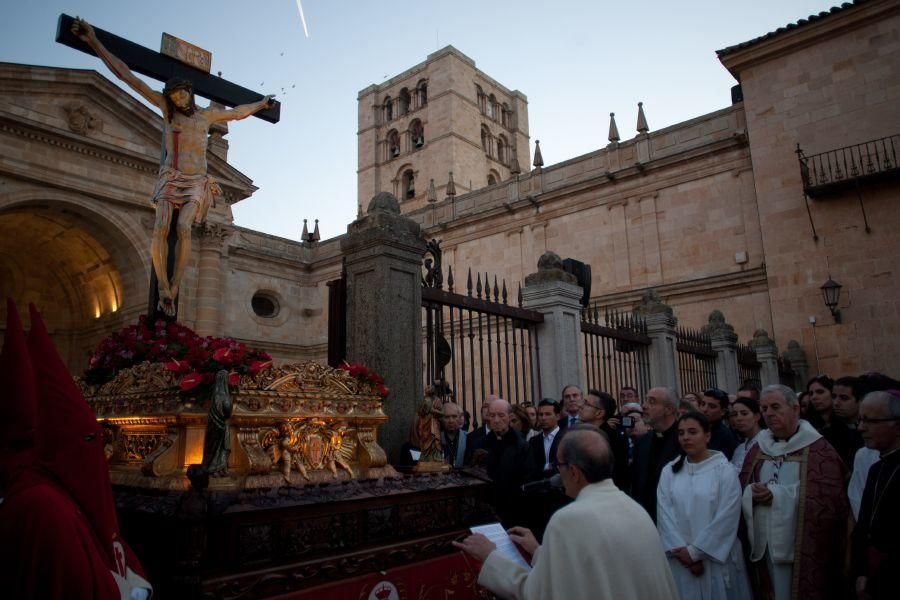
439,117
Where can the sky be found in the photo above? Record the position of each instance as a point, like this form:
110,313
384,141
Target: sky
576,61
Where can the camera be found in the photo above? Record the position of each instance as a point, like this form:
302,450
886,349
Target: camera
627,422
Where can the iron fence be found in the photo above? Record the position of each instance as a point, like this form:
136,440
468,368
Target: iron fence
696,360
616,351
749,366
477,344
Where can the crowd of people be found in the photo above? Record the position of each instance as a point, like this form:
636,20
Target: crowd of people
760,493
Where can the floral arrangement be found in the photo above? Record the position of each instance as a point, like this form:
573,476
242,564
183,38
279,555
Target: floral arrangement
367,377
195,359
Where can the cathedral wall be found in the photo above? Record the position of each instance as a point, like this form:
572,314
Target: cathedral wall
836,86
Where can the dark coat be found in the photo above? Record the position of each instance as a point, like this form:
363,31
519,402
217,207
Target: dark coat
723,439
508,464
536,445
876,538
651,453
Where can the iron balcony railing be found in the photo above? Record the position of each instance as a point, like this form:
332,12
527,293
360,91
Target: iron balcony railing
848,166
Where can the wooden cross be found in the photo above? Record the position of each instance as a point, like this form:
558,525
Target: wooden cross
163,68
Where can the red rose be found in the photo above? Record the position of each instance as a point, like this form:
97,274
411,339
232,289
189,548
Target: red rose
259,365
190,381
233,379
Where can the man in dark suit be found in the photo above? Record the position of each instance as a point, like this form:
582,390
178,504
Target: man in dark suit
453,439
571,404
597,409
507,463
654,449
543,446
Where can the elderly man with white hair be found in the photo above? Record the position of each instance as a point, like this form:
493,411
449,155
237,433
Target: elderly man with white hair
794,504
876,539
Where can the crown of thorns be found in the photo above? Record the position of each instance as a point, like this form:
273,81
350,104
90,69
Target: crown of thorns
177,83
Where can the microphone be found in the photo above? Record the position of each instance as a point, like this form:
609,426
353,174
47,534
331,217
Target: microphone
544,485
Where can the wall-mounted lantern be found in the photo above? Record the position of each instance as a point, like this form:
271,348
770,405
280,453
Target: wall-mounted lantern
831,294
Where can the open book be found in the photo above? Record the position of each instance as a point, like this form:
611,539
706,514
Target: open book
498,535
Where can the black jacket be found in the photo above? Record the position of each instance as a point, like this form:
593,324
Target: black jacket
722,439
508,464
537,454
651,453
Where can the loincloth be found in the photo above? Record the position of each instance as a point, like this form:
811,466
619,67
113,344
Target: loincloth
174,189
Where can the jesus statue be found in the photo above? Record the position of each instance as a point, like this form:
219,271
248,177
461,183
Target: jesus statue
183,182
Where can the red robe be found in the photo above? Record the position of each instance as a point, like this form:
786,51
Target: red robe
820,537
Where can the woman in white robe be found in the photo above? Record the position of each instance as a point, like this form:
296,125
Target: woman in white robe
698,510
746,421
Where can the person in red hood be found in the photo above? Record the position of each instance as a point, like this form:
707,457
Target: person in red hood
60,533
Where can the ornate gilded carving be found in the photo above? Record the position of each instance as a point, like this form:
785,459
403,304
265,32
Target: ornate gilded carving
255,460
138,446
371,455
294,423
163,460
310,445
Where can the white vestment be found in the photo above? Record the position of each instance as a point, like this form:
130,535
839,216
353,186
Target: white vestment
862,462
740,452
699,508
590,550
771,529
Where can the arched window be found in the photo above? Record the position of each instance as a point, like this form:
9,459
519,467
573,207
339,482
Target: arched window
404,102
505,115
492,107
486,139
388,109
422,86
479,94
393,144
491,179
416,134
409,184
502,149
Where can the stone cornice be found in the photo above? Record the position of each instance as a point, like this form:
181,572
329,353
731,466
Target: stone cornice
791,40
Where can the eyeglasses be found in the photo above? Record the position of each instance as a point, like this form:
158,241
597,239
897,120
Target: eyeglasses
594,406
867,420
557,464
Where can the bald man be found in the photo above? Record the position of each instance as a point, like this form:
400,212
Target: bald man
602,522
507,463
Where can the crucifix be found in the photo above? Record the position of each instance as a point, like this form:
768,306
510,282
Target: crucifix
184,190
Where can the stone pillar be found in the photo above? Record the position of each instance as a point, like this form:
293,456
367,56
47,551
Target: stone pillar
767,355
556,295
797,357
661,324
724,343
383,261
209,279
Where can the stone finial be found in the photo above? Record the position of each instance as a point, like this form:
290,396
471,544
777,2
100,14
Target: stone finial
761,339
642,120
651,304
315,235
613,130
305,235
795,353
451,187
432,193
550,268
538,158
514,168
717,325
384,202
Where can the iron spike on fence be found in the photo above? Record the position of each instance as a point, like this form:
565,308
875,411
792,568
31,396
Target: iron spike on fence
496,290
469,282
504,292
519,294
478,287
450,279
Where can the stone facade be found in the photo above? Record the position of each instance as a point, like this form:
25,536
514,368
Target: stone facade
710,212
442,116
